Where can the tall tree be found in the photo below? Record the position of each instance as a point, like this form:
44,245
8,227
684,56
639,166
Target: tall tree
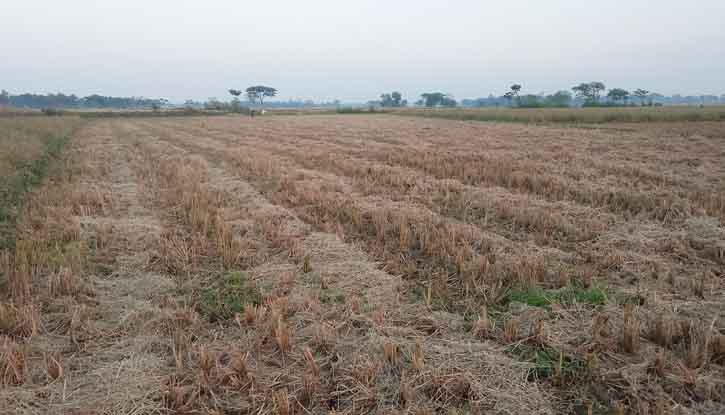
392,100
236,105
431,99
436,99
260,92
589,91
618,94
513,94
597,89
398,100
641,94
252,95
583,91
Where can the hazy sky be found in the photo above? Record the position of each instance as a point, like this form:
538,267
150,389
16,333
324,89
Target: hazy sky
354,50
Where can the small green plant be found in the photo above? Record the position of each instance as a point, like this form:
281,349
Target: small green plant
366,307
534,297
575,293
548,362
231,293
626,298
332,296
571,294
424,294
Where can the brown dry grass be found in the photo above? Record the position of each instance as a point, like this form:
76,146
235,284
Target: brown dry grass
573,115
28,146
22,139
370,264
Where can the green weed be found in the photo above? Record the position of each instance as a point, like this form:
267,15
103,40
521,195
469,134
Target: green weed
571,294
332,296
548,362
228,295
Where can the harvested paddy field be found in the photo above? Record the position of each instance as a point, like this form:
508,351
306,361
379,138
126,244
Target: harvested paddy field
358,264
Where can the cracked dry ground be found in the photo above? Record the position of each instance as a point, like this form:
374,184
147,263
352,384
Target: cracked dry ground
370,264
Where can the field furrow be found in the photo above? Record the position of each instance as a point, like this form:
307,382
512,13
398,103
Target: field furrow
603,238
564,166
322,283
368,264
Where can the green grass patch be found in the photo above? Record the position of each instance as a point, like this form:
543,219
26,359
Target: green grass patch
60,254
571,294
437,302
534,297
332,296
103,269
312,278
327,295
229,294
548,362
634,299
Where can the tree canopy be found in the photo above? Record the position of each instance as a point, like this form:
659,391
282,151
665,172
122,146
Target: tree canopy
259,93
589,91
618,94
394,99
437,99
513,94
641,94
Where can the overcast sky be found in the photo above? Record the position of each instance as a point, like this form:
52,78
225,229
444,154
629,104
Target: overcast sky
354,50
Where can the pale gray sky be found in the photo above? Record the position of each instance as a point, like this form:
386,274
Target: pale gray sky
354,50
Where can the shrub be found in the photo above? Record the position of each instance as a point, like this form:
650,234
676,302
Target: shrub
52,112
350,110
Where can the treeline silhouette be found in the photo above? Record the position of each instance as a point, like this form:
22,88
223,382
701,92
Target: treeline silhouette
60,100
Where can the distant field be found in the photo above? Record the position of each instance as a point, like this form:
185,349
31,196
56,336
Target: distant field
359,264
574,115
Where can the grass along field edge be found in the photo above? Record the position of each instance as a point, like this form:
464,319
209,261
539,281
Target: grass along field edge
15,187
571,115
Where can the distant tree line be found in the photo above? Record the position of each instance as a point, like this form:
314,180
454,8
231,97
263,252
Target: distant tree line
393,99
589,94
59,100
214,103
584,94
428,99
